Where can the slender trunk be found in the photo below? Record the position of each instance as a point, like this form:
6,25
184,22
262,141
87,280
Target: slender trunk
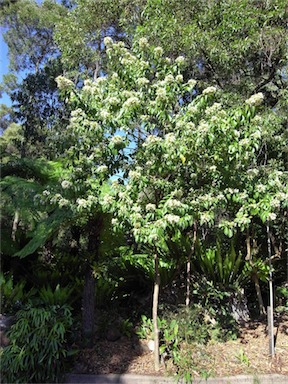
254,276
94,227
155,311
188,279
88,308
255,280
15,225
271,307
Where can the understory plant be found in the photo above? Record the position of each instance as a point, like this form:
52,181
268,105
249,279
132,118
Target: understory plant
38,348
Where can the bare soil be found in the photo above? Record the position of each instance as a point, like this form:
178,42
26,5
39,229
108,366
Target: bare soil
249,354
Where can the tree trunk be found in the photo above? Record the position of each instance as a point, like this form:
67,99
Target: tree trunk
188,279
88,308
255,280
94,227
155,312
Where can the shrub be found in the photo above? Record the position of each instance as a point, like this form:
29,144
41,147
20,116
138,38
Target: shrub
38,345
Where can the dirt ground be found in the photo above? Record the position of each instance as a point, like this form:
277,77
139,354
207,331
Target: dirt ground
249,354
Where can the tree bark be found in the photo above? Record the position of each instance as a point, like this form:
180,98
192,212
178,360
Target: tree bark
259,294
155,312
188,279
94,227
88,308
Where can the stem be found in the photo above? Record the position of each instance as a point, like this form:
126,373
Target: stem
155,311
271,313
259,294
188,279
88,308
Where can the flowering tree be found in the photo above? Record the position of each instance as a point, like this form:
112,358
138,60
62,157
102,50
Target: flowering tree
184,158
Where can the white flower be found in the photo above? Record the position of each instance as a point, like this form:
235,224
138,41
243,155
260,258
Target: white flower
170,138
117,140
82,203
179,78
102,169
104,114
161,93
131,102
150,207
190,126
46,193
272,216
209,91
107,41
151,139
65,184
255,100
191,83
114,222
77,112
134,175
158,51
142,81
169,79
180,60
192,109
63,202
113,100
143,42
107,200
100,80
172,219
63,83
173,203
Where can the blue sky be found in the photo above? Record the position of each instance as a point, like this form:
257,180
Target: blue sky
4,63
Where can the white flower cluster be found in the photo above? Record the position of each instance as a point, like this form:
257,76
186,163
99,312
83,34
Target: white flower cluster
100,80
173,203
142,81
150,207
131,102
172,219
56,198
170,138
272,216
104,114
117,140
143,42
158,51
63,203
108,200
255,100
113,100
63,83
66,184
191,83
151,139
134,175
180,60
82,203
192,109
209,91
161,93
108,41
169,79
102,169
210,111
179,78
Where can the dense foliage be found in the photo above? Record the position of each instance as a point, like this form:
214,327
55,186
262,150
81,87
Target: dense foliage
130,158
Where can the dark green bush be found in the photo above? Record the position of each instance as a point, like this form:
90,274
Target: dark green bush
38,345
